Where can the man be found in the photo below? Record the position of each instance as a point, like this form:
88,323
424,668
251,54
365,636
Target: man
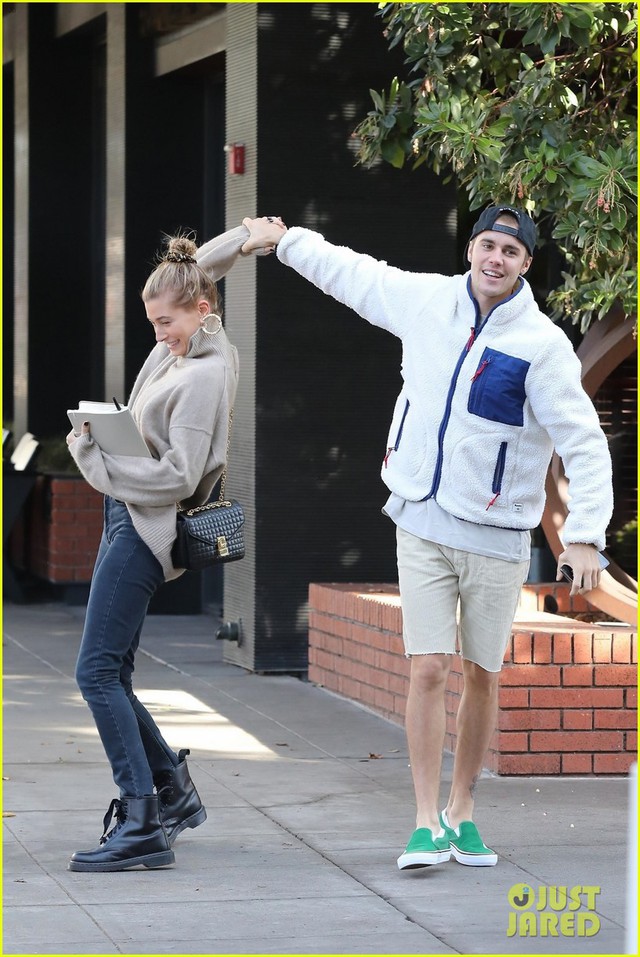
491,386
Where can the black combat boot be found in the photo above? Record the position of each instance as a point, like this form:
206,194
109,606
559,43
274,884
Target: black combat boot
180,804
137,837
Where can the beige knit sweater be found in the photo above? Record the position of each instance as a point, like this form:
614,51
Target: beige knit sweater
181,405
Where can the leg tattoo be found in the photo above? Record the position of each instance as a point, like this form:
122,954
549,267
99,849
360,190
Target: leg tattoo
473,786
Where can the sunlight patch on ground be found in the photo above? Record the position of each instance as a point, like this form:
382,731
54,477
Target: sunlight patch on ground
182,716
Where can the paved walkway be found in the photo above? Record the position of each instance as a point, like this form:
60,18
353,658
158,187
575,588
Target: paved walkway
309,801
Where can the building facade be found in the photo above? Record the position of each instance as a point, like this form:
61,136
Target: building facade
120,121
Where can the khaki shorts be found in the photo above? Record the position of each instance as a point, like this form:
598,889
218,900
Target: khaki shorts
448,594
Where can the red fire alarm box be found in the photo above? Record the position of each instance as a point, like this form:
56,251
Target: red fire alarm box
235,158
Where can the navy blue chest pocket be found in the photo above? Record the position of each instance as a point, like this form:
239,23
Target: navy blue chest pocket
497,389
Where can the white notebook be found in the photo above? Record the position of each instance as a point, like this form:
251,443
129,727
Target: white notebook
113,429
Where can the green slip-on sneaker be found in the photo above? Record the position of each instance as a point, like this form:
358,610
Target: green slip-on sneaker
424,849
467,847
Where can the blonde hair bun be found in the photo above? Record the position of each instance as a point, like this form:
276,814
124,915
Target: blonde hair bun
178,275
180,249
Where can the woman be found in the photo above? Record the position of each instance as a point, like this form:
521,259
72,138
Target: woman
181,402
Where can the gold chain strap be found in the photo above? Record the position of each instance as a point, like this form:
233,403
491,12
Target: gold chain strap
223,479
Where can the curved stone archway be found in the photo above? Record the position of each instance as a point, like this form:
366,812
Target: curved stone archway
607,343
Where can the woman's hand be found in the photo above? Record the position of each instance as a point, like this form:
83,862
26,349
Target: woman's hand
264,233
72,436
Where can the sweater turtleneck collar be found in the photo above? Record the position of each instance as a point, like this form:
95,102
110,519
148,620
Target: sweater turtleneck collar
207,339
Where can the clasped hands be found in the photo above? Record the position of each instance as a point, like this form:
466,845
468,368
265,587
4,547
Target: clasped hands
265,233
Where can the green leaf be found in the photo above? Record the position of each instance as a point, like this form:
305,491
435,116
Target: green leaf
570,97
580,15
587,166
393,153
377,101
550,40
618,216
553,133
533,35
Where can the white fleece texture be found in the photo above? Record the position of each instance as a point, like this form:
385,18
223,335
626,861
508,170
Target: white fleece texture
445,449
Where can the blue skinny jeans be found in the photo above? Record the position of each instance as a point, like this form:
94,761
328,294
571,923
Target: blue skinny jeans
125,576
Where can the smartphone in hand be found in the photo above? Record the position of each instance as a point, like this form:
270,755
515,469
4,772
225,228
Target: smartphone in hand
567,571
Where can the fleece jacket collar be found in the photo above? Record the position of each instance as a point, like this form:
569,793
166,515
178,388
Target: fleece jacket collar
515,305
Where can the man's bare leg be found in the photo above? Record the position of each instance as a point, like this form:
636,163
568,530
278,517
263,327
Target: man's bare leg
476,722
425,729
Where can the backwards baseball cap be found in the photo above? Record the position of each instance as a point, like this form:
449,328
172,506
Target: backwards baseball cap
525,231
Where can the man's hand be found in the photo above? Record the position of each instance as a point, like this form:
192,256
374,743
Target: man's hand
583,560
264,233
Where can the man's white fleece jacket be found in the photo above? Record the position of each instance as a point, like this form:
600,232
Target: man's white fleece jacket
483,403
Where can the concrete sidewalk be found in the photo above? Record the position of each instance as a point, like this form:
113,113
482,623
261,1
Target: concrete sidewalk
309,803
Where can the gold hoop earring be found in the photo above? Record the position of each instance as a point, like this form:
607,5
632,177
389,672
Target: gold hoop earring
210,321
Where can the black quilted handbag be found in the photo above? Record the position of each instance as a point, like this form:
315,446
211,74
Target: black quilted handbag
210,534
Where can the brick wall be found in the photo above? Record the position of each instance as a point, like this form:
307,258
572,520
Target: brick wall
64,528
568,688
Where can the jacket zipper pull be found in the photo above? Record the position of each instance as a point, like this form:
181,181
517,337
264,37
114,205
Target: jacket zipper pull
483,365
386,458
492,502
472,338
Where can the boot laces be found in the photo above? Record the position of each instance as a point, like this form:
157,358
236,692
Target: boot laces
117,809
